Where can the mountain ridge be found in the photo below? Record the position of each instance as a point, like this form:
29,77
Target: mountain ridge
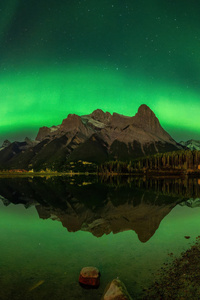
96,137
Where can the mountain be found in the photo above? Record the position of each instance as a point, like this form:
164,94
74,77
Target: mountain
95,137
5,144
191,144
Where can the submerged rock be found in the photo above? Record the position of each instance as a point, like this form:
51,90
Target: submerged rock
89,277
116,290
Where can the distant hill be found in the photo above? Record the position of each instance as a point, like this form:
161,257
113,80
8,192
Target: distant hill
96,137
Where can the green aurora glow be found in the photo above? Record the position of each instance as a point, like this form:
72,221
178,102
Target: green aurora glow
58,58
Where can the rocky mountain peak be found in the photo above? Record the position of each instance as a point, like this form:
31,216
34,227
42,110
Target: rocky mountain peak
97,113
120,121
145,109
101,116
95,137
146,119
145,114
6,143
43,132
71,122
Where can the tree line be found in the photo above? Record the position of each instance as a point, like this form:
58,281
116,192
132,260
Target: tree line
176,160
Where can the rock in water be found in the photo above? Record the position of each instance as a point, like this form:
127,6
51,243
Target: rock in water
89,277
116,291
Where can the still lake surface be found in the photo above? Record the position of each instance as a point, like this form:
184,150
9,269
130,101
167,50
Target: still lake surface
127,227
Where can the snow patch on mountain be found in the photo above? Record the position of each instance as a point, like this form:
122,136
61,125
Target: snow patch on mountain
191,203
191,144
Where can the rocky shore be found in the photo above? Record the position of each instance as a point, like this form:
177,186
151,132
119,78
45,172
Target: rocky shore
181,279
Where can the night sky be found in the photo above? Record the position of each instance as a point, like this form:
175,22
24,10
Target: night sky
66,56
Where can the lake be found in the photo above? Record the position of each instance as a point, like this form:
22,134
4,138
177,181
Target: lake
127,227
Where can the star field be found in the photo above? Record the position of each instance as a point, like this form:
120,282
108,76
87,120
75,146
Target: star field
60,57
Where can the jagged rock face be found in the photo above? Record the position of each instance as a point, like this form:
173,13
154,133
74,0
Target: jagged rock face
43,133
100,116
72,122
144,127
146,119
47,132
120,121
96,137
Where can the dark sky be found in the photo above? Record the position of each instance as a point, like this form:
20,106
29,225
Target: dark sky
59,57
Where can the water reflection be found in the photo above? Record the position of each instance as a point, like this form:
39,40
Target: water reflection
100,205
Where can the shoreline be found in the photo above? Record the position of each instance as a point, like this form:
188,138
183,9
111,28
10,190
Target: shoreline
43,174
146,174
179,280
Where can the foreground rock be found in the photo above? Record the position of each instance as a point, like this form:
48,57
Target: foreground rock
116,291
89,277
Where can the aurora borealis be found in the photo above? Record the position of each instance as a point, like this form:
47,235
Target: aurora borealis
59,57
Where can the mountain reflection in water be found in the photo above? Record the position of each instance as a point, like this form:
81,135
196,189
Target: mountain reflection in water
102,206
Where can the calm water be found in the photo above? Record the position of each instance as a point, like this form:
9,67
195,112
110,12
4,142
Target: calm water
52,227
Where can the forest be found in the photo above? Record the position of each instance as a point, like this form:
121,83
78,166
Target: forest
182,161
